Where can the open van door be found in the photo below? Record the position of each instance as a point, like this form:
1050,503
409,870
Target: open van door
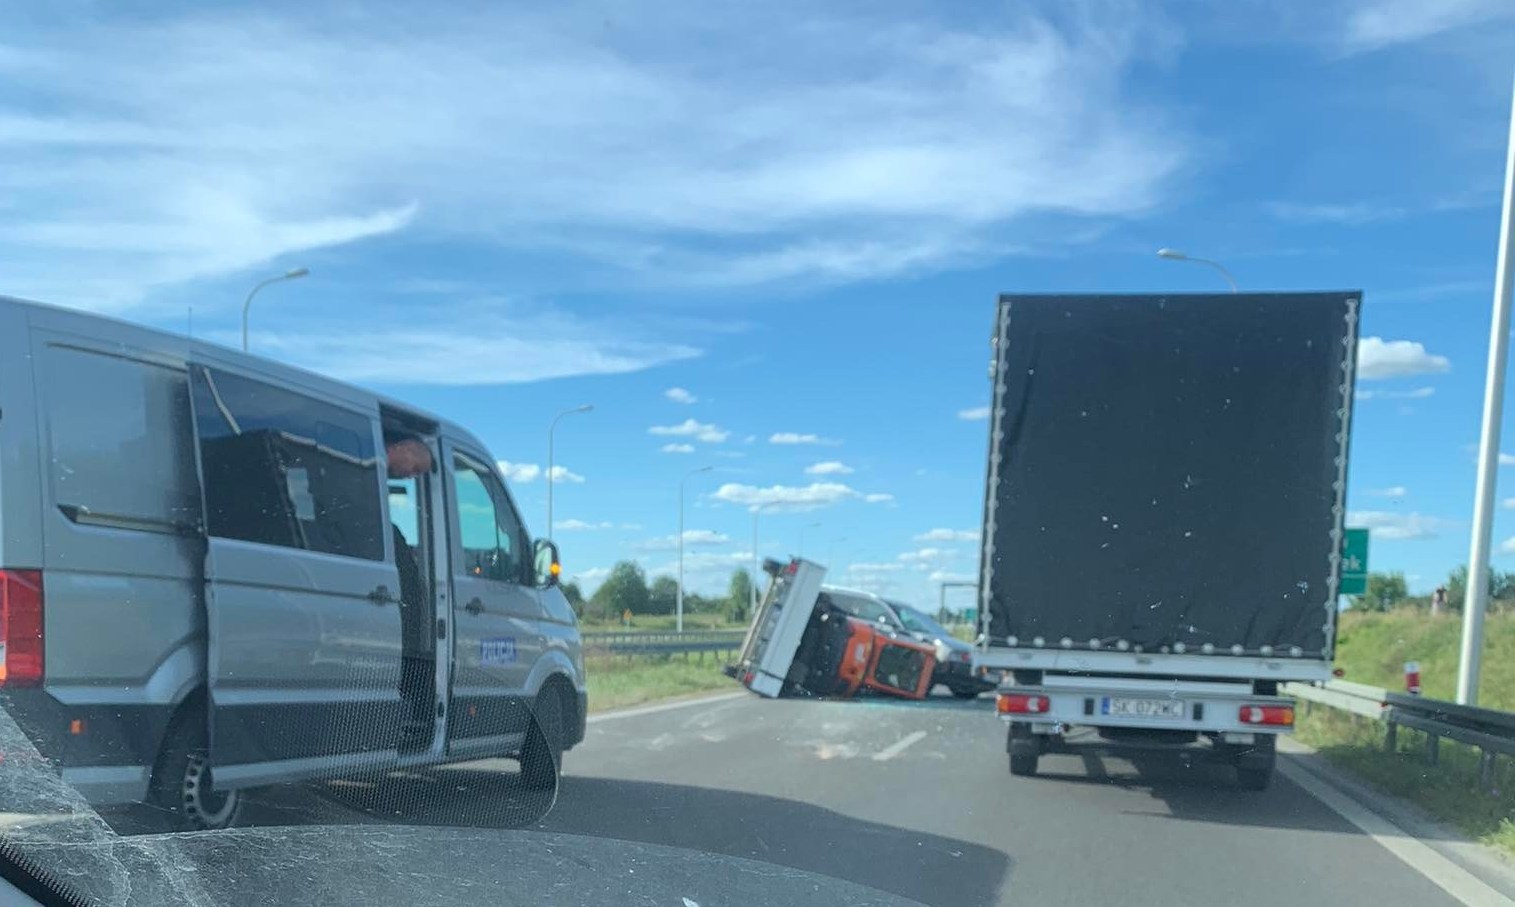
301,591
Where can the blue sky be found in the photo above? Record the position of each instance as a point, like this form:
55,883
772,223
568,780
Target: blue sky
798,217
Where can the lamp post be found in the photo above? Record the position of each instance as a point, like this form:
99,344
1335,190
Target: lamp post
552,427
678,620
1175,255
295,274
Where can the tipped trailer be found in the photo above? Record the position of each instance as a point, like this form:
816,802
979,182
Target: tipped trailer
1163,517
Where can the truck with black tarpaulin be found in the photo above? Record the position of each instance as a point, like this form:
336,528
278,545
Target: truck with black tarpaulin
1163,517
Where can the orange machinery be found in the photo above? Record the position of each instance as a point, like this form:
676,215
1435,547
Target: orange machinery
875,660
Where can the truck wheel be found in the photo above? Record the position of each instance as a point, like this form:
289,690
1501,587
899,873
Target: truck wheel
1254,777
182,784
1023,765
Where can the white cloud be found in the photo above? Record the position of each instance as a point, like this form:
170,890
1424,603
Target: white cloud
1385,524
948,535
1508,503
1507,546
878,498
1354,214
689,428
927,554
1393,491
1379,358
692,538
580,525
973,415
590,579
1418,393
941,576
792,437
631,526
828,468
679,395
874,568
1381,23
923,138
530,472
677,448
788,497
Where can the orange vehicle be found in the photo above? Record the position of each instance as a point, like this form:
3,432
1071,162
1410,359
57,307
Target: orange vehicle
874,660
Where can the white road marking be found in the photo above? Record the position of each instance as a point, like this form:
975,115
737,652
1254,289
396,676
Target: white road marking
664,707
1446,875
899,746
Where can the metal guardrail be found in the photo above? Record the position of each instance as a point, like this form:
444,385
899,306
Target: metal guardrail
1491,732
695,641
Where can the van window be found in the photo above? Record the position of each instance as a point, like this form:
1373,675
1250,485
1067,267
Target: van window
490,533
119,439
283,469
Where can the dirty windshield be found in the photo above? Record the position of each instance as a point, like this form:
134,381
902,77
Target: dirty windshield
707,453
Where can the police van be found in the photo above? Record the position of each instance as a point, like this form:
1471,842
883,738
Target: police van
213,575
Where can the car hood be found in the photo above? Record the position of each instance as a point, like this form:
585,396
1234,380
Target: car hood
402,864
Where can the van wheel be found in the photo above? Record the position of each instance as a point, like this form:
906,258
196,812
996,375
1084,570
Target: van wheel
542,753
183,787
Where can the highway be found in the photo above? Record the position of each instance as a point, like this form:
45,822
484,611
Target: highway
915,799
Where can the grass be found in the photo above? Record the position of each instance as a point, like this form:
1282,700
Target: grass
618,682
649,622
1372,648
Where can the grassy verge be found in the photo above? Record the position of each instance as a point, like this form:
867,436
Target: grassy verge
1372,649
659,622
620,682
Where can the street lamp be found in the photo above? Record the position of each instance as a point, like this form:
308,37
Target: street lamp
802,536
551,427
295,274
1175,255
678,620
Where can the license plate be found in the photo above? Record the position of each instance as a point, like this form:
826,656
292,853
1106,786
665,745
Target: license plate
1117,707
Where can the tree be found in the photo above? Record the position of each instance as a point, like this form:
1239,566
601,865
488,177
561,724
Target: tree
575,596
1384,591
1501,587
739,595
625,589
663,596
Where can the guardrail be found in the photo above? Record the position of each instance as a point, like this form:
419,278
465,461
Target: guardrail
694,641
1491,732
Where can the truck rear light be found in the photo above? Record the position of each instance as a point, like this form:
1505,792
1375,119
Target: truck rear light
1021,704
20,627
1281,715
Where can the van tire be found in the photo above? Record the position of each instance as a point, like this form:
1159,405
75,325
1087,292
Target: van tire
542,753
182,784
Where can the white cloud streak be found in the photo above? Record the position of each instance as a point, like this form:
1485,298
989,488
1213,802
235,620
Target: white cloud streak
797,438
828,468
676,448
1381,23
1379,358
680,395
690,428
1385,524
791,497
976,414
581,525
948,535
1393,492
692,538
529,472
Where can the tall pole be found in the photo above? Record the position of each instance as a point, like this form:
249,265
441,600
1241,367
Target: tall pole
752,586
678,620
552,427
295,274
1175,255
1476,599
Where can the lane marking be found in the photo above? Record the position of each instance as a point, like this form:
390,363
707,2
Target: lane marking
1445,874
664,707
899,746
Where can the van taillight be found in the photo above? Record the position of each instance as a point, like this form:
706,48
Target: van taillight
1021,704
1267,714
20,627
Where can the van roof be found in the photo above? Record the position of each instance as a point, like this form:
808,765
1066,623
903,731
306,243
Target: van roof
182,347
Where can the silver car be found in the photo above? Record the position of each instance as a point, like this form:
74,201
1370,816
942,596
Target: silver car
214,575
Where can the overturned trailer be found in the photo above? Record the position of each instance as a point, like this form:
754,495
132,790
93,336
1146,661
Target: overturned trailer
800,644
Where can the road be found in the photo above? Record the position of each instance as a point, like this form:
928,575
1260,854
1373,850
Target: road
915,799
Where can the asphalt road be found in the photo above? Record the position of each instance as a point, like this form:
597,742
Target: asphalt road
916,799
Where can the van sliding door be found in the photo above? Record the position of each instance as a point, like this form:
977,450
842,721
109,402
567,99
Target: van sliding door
301,592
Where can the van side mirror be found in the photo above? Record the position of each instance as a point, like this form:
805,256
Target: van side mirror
549,565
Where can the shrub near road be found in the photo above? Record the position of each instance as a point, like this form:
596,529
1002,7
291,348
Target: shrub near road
1372,649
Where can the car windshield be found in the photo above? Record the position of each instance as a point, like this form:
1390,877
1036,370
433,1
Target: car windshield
708,452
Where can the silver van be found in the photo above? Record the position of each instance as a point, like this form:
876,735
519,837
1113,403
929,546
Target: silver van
213,576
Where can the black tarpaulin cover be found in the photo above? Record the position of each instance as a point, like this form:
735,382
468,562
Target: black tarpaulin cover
1168,472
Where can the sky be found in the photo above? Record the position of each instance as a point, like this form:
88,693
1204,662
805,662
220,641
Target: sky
767,238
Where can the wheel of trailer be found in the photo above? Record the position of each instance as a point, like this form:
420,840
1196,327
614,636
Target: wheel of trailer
1254,777
183,786
1023,765
542,753
964,693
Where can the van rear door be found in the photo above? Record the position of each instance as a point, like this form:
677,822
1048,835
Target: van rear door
302,594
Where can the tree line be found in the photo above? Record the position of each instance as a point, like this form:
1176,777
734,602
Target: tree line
1388,591
627,589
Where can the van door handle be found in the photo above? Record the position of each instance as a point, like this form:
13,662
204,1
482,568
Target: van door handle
380,596
475,605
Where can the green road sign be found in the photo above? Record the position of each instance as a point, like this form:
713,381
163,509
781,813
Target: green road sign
1354,563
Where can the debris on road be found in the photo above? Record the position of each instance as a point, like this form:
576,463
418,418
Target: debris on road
800,644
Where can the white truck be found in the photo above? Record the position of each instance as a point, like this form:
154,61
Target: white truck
1163,517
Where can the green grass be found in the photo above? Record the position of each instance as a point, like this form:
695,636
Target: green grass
618,682
661,622
1372,649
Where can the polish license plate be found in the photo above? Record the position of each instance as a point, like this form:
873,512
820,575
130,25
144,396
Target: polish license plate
1118,707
